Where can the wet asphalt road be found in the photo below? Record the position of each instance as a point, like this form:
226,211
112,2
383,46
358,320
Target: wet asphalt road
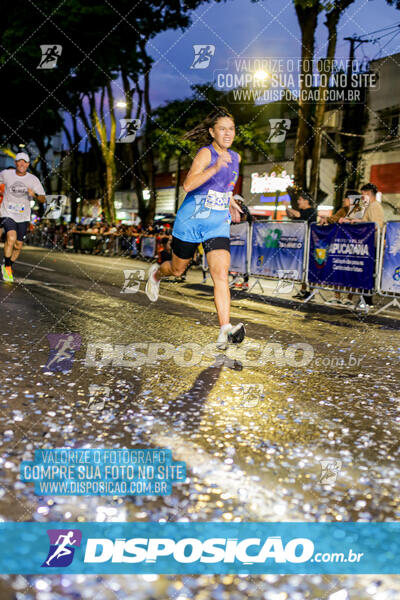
252,427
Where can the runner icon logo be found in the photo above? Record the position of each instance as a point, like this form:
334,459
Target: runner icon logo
133,277
62,547
129,129
50,55
329,470
279,129
55,204
252,394
62,351
285,284
97,396
202,55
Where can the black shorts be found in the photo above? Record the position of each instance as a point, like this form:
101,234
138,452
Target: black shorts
11,225
187,249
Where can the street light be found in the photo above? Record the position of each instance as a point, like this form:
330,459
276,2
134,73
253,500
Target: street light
121,104
261,75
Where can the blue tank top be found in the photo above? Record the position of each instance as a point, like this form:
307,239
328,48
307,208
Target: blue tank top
204,213
225,179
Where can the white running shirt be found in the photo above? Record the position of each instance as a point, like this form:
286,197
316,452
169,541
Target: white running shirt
16,203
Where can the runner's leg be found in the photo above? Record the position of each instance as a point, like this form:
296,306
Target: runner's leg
11,238
218,264
176,266
16,250
182,254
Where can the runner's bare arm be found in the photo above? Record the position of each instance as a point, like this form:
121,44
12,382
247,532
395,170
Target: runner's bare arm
199,173
39,197
235,210
291,212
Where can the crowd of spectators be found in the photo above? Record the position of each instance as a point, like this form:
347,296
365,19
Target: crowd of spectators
357,207
101,238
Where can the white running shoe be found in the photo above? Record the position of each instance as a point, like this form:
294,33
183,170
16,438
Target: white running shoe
152,285
230,334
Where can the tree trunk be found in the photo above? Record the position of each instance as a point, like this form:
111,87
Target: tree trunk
354,122
107,148
151,209
95,146
108,200
307,17
331,22
140,181
139,178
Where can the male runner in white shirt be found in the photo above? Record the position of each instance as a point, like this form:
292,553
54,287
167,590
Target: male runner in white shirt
15,210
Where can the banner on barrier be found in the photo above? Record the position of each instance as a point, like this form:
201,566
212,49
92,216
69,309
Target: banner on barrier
148,247
342,255
390,281
239,237
278,247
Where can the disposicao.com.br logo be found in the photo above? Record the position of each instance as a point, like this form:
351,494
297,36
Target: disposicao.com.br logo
189,550
200,547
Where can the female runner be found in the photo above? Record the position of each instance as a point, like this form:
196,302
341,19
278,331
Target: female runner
205,217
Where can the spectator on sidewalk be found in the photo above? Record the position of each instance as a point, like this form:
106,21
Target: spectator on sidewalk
373,214
305,212
338,217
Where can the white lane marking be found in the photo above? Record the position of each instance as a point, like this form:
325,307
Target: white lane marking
199,306
49,287
19,262
74,259
25,281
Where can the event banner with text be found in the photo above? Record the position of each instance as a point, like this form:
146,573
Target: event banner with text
391,259
278,248
342,255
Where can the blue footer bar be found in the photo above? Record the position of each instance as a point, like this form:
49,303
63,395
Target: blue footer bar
195,548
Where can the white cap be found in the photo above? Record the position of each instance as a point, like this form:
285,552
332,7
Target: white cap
22,156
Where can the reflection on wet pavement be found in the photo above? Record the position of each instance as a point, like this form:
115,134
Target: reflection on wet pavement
257,457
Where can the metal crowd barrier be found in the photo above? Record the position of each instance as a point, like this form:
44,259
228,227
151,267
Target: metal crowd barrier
303,275
343,288
285,274
289,273
394,295
148,248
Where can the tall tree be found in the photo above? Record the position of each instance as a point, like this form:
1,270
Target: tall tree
325,67
307,12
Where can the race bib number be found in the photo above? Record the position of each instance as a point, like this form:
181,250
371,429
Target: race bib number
217,200
16,208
